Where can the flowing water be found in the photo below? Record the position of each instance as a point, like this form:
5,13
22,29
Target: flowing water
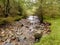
33,20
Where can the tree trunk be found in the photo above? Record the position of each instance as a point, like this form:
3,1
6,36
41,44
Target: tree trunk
41,14
7,8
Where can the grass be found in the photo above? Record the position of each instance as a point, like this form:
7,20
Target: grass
54,37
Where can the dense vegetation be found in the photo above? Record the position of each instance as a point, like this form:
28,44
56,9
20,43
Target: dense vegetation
11,10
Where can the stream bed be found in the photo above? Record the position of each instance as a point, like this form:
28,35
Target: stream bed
23,32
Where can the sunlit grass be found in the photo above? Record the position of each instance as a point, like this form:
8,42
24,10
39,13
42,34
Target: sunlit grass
54,37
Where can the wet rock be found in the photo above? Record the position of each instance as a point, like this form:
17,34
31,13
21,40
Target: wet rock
8,43
37,37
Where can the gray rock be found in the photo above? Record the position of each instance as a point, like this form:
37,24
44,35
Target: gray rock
8,43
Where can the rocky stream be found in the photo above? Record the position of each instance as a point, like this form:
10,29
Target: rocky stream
23,32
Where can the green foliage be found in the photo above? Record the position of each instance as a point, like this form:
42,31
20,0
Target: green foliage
49,8
13,11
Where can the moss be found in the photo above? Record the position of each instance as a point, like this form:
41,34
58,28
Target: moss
37,36
9,19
